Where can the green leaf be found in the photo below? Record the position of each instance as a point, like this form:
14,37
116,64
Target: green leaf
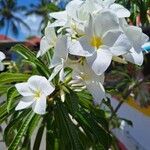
50,133
12,95
93,129
3,111
3,108
31,57
3,89
100,117
85,99
33,124
7,78
72,101
67,129
39,137
15,120
52,7
21,132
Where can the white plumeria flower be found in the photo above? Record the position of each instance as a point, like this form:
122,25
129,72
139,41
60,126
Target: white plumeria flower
118,9
136,38
93,7
48,41
75,15
79,10
61,19
103,39
68,19
93,82
2,57
34,92
60,57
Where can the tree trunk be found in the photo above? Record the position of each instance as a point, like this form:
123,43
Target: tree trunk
7,29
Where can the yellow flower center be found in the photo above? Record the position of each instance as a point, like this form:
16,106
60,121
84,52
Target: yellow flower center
96,41
37,94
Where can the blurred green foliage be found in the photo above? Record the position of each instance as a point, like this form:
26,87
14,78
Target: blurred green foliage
137,7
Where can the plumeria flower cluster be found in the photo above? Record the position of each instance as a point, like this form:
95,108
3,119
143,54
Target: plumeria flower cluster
87,36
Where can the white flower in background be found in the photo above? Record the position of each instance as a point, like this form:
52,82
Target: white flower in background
118,9
60,57
136,38
34,92
75,15
103,39
48,41
2,57
79,10
93,82
67,18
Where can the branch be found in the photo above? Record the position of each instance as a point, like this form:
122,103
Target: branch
126,94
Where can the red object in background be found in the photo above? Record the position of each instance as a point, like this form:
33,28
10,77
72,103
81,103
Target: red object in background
138,21
33,41
121,146
5,38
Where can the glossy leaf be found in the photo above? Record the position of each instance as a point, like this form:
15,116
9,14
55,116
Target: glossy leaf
31,57
21,132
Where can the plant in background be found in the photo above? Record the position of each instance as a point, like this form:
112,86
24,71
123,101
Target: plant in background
8,17
137,8
65,85
42,10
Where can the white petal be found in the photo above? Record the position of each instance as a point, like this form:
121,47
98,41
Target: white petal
1,66
25,102
58,23
61,51
62,73
81,47
144,38
97,91
61,15
104,21
23,89
44,47
136,37
39,106
121,46
2,56
40,83
134,57
55,71
110,37
50,35
87,7
86,70
71,8
89,29
100,61
120,10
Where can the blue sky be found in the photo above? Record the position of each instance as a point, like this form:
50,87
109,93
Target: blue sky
33,21
27,2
